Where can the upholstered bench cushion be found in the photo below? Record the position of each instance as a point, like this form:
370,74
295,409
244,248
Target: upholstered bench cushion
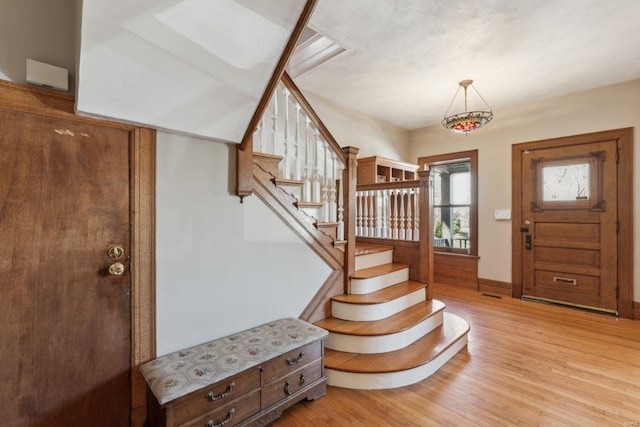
178,374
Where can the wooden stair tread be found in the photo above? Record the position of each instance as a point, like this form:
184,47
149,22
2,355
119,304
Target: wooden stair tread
397,323
414,355
378,270
366,249
283,181
384,295
326,224
309,204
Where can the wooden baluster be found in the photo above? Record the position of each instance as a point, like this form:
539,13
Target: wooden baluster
296,158
332,195
409,219
306,189
372,214
274,117
416,215
325,178
340,228
286,165
365,214
394,214
316,190
378,204
359,213
402,220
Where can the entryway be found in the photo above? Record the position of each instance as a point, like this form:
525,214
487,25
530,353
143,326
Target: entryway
572,204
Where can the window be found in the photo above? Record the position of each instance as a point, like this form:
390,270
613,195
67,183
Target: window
454,194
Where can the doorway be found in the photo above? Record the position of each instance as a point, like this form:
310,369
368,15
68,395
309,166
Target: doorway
572,205
76,264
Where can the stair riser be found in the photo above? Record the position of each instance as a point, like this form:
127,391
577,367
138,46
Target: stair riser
383,343
365,286
292,189
374,259
367,312
377,381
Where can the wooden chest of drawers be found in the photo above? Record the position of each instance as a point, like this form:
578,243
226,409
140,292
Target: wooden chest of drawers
246,379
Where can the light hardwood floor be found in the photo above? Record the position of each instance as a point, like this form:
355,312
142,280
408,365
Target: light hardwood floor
527,364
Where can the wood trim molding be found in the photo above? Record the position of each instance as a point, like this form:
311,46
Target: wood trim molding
494,287
636,310
277,72
282,204
624,137
143,271
320,306
47,103
472,157
288,82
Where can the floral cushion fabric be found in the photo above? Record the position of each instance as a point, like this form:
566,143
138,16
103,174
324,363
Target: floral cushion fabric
180,373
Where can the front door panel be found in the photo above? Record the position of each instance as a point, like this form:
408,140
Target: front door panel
569,225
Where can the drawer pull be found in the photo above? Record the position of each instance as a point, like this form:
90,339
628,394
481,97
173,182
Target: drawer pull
223,422
302,379
287,384
565,281
212,397
296,360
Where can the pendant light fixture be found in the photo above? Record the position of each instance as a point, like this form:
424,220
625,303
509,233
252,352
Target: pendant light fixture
469,120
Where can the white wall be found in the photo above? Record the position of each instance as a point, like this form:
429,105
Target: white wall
610,107
40,30
351,128
222,266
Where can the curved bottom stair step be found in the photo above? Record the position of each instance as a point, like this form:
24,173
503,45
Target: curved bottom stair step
392,333
398,368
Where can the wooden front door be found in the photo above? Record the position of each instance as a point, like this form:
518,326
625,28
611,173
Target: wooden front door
569,224
65,323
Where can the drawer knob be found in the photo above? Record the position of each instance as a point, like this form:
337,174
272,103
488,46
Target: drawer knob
223,422
213,397
296,360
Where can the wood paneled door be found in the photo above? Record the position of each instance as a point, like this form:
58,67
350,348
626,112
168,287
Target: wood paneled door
65,272
568,221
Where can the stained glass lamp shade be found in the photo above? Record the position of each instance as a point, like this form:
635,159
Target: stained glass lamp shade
468,120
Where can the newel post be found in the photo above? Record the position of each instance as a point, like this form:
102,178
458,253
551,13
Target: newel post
426,231
244,169
349,181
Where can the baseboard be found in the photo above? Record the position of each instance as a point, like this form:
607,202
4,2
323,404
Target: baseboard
636,310
494,286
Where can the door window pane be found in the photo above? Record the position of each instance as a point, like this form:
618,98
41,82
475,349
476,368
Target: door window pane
566,182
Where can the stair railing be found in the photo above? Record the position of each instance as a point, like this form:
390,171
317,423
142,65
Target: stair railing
290,129
388,210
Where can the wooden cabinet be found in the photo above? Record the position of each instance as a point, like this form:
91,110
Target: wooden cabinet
246,379
380,169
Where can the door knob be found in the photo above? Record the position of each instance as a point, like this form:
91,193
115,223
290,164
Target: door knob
116,269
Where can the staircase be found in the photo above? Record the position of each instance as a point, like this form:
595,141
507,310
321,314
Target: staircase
386,334
384,329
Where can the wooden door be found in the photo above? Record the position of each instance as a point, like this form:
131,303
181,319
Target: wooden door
569,224
65,327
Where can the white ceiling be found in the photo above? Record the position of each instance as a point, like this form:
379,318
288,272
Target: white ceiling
405,58
198,67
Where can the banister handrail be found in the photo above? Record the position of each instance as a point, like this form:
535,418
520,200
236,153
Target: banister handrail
324,132
278,72
389,185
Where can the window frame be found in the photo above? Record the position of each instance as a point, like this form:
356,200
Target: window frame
470,156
